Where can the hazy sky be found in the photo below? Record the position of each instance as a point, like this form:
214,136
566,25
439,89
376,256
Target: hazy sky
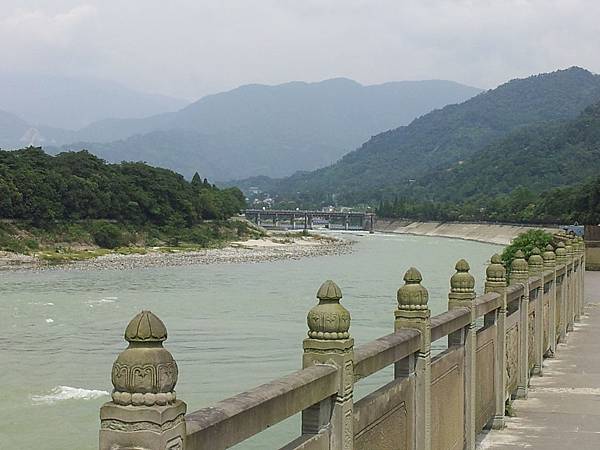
189,48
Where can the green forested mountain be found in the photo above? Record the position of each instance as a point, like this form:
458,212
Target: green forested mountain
579,203
401,160
43,189
516,179
537,157
267,130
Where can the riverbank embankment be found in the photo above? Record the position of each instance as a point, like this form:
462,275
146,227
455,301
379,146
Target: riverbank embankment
492,233
270,248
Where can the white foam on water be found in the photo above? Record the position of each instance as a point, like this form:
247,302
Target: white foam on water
49,320
60,393
103,300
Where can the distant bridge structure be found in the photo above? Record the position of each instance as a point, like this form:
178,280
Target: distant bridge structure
305,219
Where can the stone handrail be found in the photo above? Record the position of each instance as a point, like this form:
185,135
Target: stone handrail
514,292
237,418
380,353
448,322
487,303
432,402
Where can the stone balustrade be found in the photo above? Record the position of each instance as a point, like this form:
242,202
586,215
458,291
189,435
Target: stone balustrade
495,343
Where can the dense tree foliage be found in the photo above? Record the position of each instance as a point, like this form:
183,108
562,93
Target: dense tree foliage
579,203
537,157
76,186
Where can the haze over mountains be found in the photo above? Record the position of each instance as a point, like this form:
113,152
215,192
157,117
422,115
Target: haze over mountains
487,145
50,101
417,160
248,131
268,130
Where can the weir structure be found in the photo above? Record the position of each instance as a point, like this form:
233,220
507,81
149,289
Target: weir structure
299,219
496,342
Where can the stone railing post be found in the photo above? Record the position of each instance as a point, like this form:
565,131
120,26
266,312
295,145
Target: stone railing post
577,269
329,342
570,285
550,264
581,247
144,413
561,295
462,295
520,275
413,312
536,268
496,282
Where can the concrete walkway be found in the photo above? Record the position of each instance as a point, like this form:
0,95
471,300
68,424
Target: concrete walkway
563,407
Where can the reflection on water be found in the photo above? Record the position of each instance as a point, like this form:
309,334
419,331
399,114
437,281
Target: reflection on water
231,327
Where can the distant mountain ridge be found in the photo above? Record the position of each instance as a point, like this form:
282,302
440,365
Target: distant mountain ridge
267,130
12,129
399,160
73,102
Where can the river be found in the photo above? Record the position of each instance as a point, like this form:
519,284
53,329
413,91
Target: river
231,327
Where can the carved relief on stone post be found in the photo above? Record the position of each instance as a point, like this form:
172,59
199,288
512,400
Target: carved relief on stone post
329,342
562,294
520,275
536,319
413,312
549,258
512,358
144,412
496,282
462,295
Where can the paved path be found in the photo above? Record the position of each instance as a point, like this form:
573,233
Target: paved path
563,407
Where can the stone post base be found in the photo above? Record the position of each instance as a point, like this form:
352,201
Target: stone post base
142,427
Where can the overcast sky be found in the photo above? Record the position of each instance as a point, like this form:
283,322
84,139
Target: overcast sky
189,48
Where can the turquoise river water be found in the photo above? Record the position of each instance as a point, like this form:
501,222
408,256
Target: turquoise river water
231,327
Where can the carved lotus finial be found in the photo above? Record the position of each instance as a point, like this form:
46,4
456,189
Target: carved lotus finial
535,260
519,264
549,256
146,327
462,281
328,319
329,291
496,272
145,373
569,247
561,252
412,295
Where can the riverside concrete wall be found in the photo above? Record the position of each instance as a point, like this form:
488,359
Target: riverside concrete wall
592,250
484,232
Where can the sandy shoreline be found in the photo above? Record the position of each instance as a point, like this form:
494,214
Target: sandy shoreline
271,248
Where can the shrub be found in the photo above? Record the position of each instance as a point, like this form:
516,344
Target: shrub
525,242
108,235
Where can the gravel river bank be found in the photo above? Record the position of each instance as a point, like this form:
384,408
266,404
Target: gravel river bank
271,248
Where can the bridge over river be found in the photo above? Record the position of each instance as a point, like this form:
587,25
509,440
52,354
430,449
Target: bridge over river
531,322
299,219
